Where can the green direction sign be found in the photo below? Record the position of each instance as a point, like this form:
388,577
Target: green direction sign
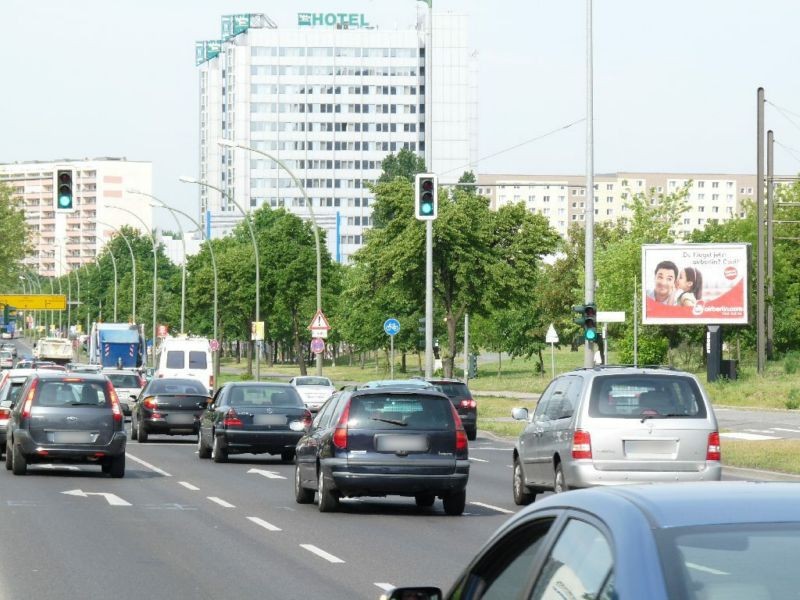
234,25
344,20
227,26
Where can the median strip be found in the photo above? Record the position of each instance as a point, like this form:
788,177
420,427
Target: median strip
321,553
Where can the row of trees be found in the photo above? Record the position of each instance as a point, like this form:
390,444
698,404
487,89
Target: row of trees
508,269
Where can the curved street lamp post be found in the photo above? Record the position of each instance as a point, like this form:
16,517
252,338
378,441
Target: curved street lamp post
133,267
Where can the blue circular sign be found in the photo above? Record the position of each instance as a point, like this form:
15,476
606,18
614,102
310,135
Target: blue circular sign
391,326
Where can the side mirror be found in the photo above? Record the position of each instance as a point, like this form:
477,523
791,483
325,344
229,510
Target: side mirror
413,593
519,414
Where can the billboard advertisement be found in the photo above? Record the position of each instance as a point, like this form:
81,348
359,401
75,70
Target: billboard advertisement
695,284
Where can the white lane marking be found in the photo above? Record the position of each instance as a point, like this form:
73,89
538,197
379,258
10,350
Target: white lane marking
321,553
67,467
221,502
783,429
489,448
492,507
267,474
386,587
264,524
706,569
112,499
144,463
747,436
759,430
188,486
478,459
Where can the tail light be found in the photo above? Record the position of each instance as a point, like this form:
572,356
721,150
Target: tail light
307,419
467,403
581,444
713,452
461,436
4,414
26,408
150,403
231,419
115,409
340,433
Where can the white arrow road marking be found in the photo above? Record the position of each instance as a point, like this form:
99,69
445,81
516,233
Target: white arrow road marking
267,474
321,553
491,507
472,458
188,486
144,463
386,587
221,502
264,524
112,499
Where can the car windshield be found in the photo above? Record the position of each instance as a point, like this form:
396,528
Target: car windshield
72,393
413,411
731,561
264,395
646,395
313,381
454,391
176,386
124,380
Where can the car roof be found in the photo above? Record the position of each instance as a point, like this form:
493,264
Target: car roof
399,390
257,384
119,372
46,374
629,370
444,380
396,383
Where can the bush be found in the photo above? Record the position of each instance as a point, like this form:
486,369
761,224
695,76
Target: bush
793,401
651,350
791,363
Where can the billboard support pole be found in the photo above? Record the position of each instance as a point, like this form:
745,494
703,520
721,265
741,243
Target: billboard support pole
761,334
770,235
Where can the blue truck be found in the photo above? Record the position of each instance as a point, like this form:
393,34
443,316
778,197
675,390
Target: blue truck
117,346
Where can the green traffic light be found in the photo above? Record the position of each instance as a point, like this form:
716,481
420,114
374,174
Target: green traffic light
64,201
591,334
427,208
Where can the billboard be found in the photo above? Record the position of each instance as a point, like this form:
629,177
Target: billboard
695,284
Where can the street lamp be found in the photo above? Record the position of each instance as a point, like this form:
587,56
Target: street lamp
114,264
183,241
133,267
248,220
230,144
155,273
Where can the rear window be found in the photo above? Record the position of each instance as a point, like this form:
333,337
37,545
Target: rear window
313,381
72,393
177,386
197,360
124,381
454,391
401,412
175,359
264,396
635,396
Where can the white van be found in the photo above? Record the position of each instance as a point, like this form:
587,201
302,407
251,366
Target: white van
186,357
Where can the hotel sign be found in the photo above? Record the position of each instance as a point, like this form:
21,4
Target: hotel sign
343,20
205,51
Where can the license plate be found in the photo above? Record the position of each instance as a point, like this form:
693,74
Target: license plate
269,420
180,419
72,437
401,443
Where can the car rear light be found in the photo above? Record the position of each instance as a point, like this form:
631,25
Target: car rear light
4,414
461,436
231,419
713,452
581,444
307,419
211,382
150,403
26,408
467,403
340,434
115,409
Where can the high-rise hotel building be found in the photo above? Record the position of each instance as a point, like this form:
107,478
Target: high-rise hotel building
330,96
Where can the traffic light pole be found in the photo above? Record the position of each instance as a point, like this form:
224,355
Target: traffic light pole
428,298
588,357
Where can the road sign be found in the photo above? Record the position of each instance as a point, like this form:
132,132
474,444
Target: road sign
214,345
552,336
610,316
320,321
319,333
317,345
391,326
35,301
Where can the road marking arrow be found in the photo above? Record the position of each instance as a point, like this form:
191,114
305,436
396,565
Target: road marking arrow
112,499
267,474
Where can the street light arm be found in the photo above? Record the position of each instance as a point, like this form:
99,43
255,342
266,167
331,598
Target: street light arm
133,266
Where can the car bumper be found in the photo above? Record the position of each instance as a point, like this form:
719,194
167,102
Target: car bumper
469,420
374,482
259,441
163,426
582,474
69,452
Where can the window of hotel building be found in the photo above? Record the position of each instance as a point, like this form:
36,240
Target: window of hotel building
687,221
531,198
659,189
574,217
749,190
700,221
672,184
715,197
561,199
701,196
639,183
609,186
715,209
609,199
561,211
701,209
574,192
595,186
609,211
582,204
546,199
517,197
574,205
729,184
701,184
715,184
583,192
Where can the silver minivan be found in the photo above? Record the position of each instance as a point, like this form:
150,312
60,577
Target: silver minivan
616,425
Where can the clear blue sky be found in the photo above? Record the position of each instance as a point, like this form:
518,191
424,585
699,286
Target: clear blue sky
675,82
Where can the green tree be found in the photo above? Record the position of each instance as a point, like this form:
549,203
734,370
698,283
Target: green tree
16,239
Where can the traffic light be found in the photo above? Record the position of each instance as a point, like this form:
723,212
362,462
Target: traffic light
64,199
421,334
426,197
587,319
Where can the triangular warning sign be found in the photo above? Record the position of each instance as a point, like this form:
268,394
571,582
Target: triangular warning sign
320,321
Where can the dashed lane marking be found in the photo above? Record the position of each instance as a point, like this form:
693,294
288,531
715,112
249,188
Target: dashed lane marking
264,524
321,553
472,458
144,463
189,486
221,502
492,507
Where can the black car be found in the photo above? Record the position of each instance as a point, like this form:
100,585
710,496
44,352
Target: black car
253,418
462,399
61,417
384,441
169,406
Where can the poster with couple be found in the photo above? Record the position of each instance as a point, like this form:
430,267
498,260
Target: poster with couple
700,284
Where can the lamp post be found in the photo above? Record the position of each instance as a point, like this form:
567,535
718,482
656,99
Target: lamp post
183,241
248,220
133,267
230,144
114,264
24,291
155,274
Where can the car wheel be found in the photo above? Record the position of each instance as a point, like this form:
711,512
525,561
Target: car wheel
141,433
287,455
117,467
522,494
425,500
454,502
203,451
301,494
133,428
326,499
105,467
218,453
8,457
18,463
472,434
559,481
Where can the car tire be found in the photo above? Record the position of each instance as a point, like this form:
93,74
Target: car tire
19,465
522,495
472,434
141,433
301,495
559,481
8,457
203,451
105,467
454,502
134,432
287,455
425,500
327,501
117,467
218,453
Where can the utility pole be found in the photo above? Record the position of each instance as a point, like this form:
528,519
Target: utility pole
588,359
770,249
761,345
429,166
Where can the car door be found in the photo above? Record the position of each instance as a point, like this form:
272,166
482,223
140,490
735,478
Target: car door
209,417
308,448
556,435
529,451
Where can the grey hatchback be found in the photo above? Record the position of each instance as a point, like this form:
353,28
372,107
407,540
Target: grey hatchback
61,417
615,425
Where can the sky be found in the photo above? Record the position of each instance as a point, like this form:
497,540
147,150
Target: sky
674,82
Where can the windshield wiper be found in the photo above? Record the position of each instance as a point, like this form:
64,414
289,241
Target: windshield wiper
667,416
392,421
